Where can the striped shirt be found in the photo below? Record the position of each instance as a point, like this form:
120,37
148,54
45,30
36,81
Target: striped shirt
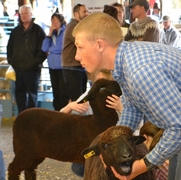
150,77
161,172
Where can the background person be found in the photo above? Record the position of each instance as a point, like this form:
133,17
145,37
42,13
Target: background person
26,57
52,44
149,76
121,14
156,12
169,34
113,102
2,167
112,11
74,74
153,134
143,28
115,12
5,13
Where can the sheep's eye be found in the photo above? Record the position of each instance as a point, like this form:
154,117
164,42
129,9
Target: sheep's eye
131,140
102,88
105,145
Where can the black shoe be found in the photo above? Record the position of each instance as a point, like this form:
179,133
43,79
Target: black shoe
78,169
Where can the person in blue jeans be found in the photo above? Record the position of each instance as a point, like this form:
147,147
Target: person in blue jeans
52,45
2,167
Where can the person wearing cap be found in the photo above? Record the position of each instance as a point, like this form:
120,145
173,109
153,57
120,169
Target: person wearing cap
149,76
155,13
169,34
156,10
144,28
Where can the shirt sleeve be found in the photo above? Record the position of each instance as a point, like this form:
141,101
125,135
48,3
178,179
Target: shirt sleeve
174,39
152,34
46,44
156,87
128,36
130,116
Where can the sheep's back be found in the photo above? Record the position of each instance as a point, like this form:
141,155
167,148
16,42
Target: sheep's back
42,131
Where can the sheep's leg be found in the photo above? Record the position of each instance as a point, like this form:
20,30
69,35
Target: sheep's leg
13,171
30,173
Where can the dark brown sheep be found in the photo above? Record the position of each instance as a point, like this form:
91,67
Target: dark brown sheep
119,148
40,133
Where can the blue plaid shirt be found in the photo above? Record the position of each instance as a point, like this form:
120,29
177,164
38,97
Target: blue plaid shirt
150,77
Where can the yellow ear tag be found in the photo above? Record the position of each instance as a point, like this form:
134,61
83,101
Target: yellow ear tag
88,155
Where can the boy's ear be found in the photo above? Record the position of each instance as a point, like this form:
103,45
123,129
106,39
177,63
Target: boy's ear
100,45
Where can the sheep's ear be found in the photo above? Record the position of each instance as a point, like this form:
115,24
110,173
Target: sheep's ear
85,99
90,151
82,101
138,139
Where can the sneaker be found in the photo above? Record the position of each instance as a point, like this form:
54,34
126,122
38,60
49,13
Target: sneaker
78,169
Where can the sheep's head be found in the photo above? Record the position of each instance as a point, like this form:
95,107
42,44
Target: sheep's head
117,146
99,92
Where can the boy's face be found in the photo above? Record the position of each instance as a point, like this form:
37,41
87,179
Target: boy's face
88,53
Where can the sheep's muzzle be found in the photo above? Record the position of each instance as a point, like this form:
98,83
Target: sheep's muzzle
126,167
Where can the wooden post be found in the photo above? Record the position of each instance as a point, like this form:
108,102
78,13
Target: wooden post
131,19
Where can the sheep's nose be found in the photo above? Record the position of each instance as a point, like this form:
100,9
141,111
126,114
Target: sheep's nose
126,155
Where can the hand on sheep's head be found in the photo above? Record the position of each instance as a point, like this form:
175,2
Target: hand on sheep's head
117,148
138,168
102,161
116,174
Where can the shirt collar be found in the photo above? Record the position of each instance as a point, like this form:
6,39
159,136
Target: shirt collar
165,30
118,65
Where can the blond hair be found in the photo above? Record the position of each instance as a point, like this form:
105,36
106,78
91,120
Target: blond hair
105,73
100,26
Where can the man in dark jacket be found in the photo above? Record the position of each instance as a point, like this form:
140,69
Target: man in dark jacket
26,57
